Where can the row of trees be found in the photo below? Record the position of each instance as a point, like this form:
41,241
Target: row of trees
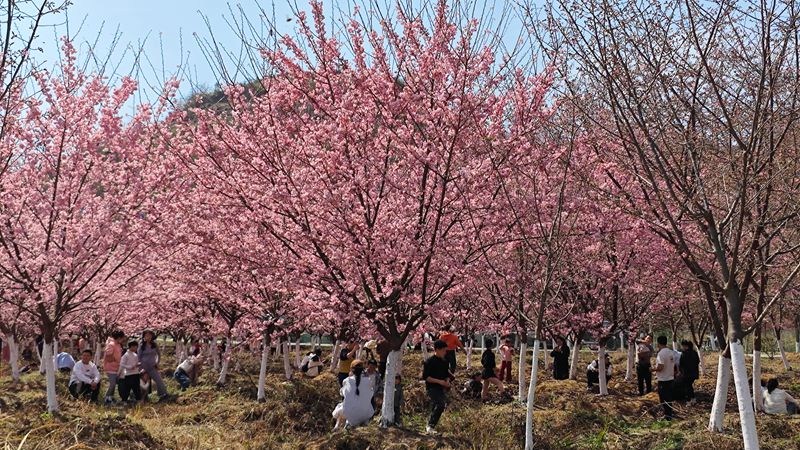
396,175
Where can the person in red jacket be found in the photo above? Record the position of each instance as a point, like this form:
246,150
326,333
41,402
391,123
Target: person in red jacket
453,343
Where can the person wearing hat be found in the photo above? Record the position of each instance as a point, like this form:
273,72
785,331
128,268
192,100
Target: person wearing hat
357,391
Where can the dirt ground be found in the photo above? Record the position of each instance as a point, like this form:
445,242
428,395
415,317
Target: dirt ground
297,416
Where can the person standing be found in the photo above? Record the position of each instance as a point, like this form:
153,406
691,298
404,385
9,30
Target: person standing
689,366
644,378
665,375
560,356
129,374
346,357
85,378
453,344
111,359
436,373
489,376
507,353
149,357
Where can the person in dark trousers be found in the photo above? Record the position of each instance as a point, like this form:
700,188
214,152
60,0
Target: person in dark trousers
85,378
489,364
436,373
689,367
665,374
644,378
560,356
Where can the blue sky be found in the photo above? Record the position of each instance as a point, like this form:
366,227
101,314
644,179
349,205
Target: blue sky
169,28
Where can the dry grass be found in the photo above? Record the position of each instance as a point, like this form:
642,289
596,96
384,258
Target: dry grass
297,416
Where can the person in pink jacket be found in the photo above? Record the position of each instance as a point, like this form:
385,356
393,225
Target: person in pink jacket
111,359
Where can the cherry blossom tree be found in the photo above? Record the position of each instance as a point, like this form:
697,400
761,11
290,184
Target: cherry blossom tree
77,198
701,147
370,166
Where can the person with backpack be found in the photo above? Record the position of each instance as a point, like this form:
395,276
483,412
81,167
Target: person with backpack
489,364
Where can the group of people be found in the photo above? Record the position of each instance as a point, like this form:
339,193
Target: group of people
132,373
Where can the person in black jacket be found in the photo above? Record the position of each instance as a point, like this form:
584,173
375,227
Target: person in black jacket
489,365
560,356
689,368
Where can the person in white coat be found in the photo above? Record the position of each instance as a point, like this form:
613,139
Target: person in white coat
356,406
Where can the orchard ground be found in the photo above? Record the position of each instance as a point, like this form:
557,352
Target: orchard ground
297,415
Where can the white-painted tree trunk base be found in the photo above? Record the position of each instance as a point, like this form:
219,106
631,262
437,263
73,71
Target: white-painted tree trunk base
50,377
630,374
573,363
297,358
469,354
797,346
531,398
42,366
746,414
335,356
784,359
287,367
424,346
757,397
601,367
262,371
702,363
223,372
277,354
545,359
716,420
674,346
13,357
521,365
387,408
98,353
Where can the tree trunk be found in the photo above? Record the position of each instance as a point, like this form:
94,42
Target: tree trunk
702,363
746,414
601,367
469,354
262,372
226,360
13,357
50,376
215,353
523,353
630,373
674,346
297,358
287,367
424,347
621,341
277,353
98,352
335,356
573,363
758,400
531,398
42,367
387,409
717,418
